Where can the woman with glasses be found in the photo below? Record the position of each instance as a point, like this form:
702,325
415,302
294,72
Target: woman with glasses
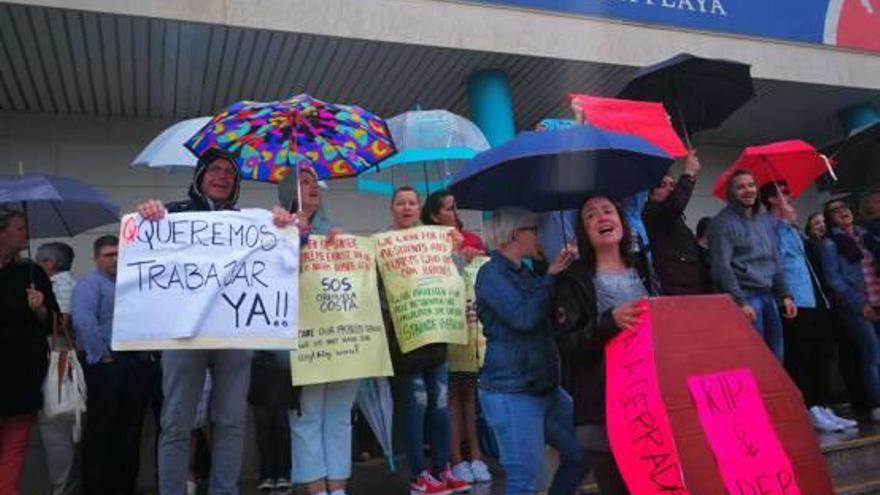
851,270
519,382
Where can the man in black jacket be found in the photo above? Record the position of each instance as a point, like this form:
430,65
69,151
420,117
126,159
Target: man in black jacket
676,255
215,187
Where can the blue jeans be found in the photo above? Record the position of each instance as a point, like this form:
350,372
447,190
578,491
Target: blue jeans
866,335
320,433
768,322
425,395
523,423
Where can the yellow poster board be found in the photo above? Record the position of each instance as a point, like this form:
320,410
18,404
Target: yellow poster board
425,292
469,358
341,333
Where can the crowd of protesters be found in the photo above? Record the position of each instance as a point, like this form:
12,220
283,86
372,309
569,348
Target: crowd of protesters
545,322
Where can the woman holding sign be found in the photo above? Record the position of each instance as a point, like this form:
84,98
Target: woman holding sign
320,430
519,382
421,375
464,360
595,298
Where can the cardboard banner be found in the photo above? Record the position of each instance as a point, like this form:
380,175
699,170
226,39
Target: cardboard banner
206,280
639,429
341,333
749,455
469,358
424,289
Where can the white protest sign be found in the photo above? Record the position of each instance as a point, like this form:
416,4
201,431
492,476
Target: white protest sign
206,280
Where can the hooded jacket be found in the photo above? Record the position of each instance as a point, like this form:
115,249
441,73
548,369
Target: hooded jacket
743,251
197,200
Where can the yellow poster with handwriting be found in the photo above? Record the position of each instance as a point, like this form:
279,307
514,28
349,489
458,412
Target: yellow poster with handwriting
425,292
469,358
341,333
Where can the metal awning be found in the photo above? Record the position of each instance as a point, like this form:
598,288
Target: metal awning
62,61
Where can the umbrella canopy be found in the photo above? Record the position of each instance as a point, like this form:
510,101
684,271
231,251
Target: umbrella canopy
857,157
167,150
699,93
431,146
796,162
647,120
57,206
375,402
554,170
268,139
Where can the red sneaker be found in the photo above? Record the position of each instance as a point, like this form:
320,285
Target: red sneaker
453,483
426,484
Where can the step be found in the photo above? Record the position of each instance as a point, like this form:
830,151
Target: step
854,459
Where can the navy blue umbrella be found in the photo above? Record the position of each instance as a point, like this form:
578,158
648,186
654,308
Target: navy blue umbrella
57,206
699,93
556,170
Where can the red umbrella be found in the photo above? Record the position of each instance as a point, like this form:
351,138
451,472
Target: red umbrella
796,162
647,120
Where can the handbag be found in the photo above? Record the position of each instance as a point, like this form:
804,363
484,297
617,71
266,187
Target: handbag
64,390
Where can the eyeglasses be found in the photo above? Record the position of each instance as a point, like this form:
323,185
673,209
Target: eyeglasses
220,170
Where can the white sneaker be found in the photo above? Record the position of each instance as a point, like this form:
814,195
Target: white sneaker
845,422
462,471
481,472
875,415
821,422
191,487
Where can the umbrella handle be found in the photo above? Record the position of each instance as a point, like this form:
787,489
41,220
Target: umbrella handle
828,166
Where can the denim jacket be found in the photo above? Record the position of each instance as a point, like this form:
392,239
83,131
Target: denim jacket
843,276
513,305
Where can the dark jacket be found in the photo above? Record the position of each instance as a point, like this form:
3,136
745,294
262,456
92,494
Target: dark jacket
843,273
513,304
197,201
23,346
582,334
675,254
744,251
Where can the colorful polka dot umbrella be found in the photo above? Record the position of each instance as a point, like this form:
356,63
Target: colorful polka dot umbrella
269,139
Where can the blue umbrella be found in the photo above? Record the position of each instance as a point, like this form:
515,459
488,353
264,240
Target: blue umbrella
699,93
57,206
555,170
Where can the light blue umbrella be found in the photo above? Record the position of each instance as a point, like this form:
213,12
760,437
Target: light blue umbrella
431,146
375,402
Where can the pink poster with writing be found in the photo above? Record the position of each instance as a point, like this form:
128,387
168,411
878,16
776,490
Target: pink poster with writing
639,430
750,456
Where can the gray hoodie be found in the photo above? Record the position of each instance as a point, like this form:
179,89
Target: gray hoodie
743,251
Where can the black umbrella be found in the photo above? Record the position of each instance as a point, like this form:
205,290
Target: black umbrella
857,159
699,93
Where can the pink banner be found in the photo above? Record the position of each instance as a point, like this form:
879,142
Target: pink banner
638,427
749,454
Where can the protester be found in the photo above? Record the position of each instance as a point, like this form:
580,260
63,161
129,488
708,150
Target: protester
702,241
26,307
675,252
320,430
809,345
271,396
215,187
421,376
851,272
519,384
869,216
57,433
118,382
742,246
595,298
440,209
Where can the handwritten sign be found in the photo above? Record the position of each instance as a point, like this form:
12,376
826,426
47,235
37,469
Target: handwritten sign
749,454
469,358
341,333
424,289
206,280
639,429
